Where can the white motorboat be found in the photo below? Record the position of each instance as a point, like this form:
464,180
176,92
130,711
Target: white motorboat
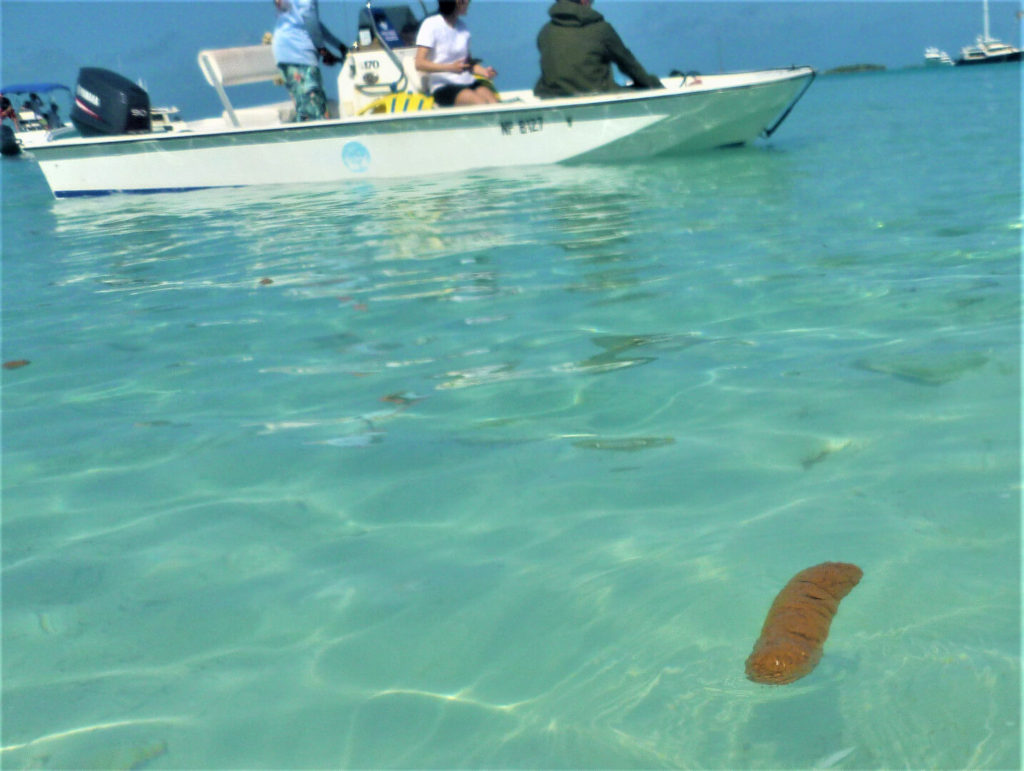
38,115
935,57
987,49
383,125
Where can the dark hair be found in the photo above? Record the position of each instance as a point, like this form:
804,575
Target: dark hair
446,7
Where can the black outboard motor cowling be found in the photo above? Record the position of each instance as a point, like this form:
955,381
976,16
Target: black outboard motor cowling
107,103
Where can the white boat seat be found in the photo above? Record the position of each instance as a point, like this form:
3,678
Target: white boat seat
236,66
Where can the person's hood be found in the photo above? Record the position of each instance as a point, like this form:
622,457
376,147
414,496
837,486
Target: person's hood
566,13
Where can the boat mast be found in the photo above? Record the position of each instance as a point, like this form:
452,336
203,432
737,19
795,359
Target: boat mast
987,36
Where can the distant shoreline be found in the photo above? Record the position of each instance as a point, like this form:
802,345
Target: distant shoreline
848,68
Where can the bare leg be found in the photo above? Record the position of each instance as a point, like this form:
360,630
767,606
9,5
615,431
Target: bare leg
478,95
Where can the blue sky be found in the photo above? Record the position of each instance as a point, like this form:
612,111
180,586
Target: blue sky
157,40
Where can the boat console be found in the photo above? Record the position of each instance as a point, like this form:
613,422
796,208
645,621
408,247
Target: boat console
381,64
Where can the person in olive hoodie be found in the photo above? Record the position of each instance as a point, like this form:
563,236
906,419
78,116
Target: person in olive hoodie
577,49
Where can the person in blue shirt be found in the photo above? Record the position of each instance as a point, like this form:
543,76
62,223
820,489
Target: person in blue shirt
300,42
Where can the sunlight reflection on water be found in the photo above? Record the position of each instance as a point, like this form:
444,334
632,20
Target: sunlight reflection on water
504,470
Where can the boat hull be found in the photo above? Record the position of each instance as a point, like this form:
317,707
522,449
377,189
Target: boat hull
1011,56
610,128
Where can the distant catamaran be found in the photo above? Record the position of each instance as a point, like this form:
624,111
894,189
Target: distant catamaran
987,49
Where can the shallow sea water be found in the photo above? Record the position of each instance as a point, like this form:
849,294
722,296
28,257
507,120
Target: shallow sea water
505,470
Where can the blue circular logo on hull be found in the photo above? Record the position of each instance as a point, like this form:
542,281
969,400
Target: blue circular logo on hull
355,156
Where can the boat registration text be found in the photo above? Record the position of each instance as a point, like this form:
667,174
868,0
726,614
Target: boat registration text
522,126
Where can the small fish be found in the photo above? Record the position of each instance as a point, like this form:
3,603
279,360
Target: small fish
925,370
355,440
830,447
16,363
144,755
403,398
130,757
623,444
158,424
834,758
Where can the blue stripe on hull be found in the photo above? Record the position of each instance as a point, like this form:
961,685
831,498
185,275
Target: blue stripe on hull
137,191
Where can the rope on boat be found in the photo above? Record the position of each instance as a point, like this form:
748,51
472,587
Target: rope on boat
689,74
766,133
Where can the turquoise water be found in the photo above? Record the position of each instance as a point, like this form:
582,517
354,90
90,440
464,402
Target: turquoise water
505,470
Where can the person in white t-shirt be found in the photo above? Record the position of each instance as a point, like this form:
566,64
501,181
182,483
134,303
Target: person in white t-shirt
442,51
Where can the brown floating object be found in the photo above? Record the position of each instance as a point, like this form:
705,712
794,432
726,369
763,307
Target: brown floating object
14,364
797,624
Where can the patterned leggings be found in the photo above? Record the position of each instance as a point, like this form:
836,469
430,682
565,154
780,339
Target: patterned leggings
307,90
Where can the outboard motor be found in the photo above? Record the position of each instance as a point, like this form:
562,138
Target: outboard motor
107,103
